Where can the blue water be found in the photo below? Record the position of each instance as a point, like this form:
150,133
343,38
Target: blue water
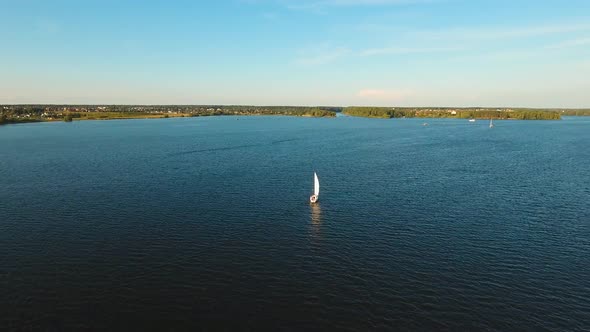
204,223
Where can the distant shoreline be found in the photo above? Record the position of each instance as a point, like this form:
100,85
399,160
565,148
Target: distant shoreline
14,114
463,113
10,114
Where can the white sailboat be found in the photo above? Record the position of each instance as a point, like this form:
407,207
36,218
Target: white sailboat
491,123
316,189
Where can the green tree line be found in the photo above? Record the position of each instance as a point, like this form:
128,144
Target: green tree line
464,113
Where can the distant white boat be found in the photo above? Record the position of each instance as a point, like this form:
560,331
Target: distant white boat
316,189
491,123
471,120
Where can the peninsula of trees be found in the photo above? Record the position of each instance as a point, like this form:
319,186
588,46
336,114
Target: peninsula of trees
38,113
464,113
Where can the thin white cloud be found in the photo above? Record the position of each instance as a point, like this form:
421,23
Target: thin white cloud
323,57
331,55
317,5
499,32
570,43
474,38
407,50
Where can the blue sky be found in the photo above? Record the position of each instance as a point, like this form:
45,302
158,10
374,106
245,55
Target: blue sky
297,52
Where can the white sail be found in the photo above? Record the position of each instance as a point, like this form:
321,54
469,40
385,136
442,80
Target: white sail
316,184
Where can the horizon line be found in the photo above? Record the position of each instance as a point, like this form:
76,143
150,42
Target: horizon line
262,105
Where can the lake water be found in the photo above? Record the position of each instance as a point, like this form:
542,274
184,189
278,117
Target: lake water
204,223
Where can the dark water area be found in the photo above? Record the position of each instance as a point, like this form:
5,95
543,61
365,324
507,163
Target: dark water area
204,224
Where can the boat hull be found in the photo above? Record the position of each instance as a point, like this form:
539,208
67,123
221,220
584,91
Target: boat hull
313,198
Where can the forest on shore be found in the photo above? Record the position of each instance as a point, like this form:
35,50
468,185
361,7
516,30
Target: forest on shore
38,113
464,113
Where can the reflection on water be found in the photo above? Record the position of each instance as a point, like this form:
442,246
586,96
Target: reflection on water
316,214
316,220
